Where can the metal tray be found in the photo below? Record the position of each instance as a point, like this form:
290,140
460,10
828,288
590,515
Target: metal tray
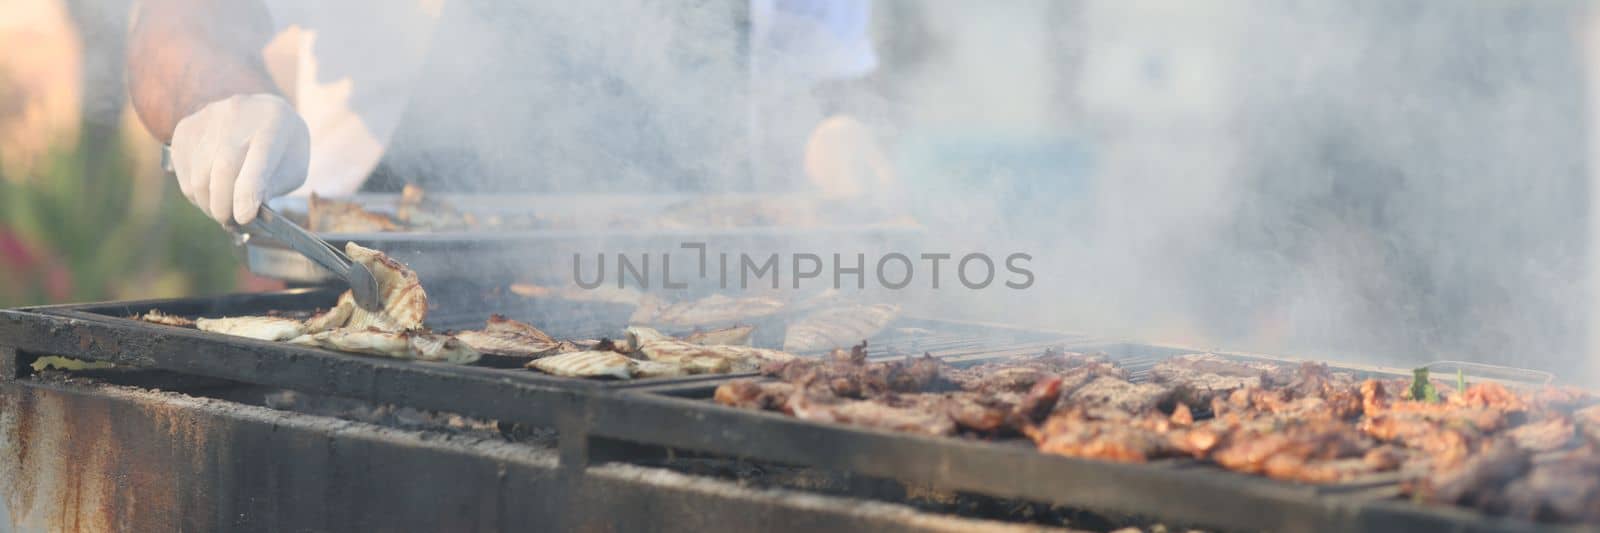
504,255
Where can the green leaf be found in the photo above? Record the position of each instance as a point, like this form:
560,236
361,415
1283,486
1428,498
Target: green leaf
1461,381
1422,389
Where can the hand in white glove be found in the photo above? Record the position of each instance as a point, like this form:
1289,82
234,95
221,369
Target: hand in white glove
236,152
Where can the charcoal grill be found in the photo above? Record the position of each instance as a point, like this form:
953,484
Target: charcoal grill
606,425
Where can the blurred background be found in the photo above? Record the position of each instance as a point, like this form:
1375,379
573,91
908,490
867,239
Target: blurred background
85,211
1374,180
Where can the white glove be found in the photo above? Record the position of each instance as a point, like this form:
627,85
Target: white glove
236,152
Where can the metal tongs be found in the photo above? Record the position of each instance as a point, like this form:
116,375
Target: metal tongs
270,224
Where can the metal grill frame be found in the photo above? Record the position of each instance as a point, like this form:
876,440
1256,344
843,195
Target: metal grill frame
592,418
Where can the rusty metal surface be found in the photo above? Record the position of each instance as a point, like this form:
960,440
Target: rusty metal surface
94,457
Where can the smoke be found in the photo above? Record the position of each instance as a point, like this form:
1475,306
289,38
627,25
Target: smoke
1388,181
1392,182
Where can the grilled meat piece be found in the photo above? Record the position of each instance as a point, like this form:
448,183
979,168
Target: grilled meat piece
1492,395
1004,412
431,347
1338,404
1040,400
1109,392
1197,378
639,335
926,413
1075,433
416,344
1561,487
729,336
849,377
1560,398
1477,480
1312,451
1374,398
914,373
335,317
754,394
505,337
650,344
656,369
709,311
266,328
1588,424
339,216
971,412
818,405
1445,434
405,304
158,317
838,326
1312,379
1019,373
1553,433
589,364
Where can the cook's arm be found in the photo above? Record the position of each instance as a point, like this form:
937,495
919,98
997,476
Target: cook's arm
184,54
199,84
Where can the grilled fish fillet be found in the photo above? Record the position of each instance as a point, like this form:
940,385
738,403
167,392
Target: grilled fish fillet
700,359
158,317
656,369
267,328
430,347
734,336
405,304
510,338
401,345
335,317
588,364
714,309
367,341
839,326
638,335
